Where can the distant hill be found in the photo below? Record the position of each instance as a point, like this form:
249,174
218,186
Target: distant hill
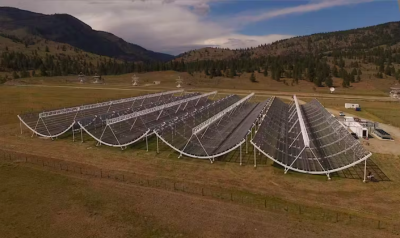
387,34
67,29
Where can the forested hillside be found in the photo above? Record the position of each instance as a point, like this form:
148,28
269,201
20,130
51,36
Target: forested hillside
316,58
67,29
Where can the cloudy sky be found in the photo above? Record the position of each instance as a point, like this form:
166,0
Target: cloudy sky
176,26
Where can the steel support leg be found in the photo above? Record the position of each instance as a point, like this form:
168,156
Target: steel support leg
81,136
20,126
255,157
157,146
241,155
365,171
147,144
247,144
73,134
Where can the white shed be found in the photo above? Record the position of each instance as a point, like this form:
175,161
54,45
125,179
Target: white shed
351,105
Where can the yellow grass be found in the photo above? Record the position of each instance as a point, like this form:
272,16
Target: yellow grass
313,192
367,87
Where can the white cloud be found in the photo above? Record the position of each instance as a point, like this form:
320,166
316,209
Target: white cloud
237,41
171,26
314,5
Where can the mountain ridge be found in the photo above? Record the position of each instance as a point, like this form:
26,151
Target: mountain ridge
364,38
65,28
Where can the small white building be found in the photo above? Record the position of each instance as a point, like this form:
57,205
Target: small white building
395,92
356,127
351,105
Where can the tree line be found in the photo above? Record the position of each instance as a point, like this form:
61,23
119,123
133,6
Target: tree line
317,69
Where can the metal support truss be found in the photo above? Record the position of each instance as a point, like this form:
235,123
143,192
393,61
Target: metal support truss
103,104
317,144
304,133
219,115
154,109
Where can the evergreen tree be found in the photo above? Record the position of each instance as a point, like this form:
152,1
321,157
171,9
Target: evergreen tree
354,72
253,78
382,66
232,73
341,63
43,72
47,49
379,75
345,83
335,72
388,71
358,79
265,70
24,74
329,81
392,70
15,75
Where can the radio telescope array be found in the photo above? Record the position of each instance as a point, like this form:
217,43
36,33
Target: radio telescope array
179,81
332,89
135,80
301,138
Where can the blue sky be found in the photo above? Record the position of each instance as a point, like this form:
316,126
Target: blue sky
326,20
176,26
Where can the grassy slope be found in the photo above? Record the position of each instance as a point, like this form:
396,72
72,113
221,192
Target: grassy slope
41,204
36,203
376,200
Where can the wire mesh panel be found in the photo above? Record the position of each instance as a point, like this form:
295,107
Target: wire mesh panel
331,141
218,134
328,147
57,122
127,131
177,133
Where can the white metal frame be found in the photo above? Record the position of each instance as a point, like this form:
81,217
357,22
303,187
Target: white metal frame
307,141
155,109
211,120
100,142
136,115
311,172
102,104
43,135
219,115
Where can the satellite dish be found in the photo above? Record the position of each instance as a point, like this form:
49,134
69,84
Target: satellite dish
332,89
135,80
179,81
